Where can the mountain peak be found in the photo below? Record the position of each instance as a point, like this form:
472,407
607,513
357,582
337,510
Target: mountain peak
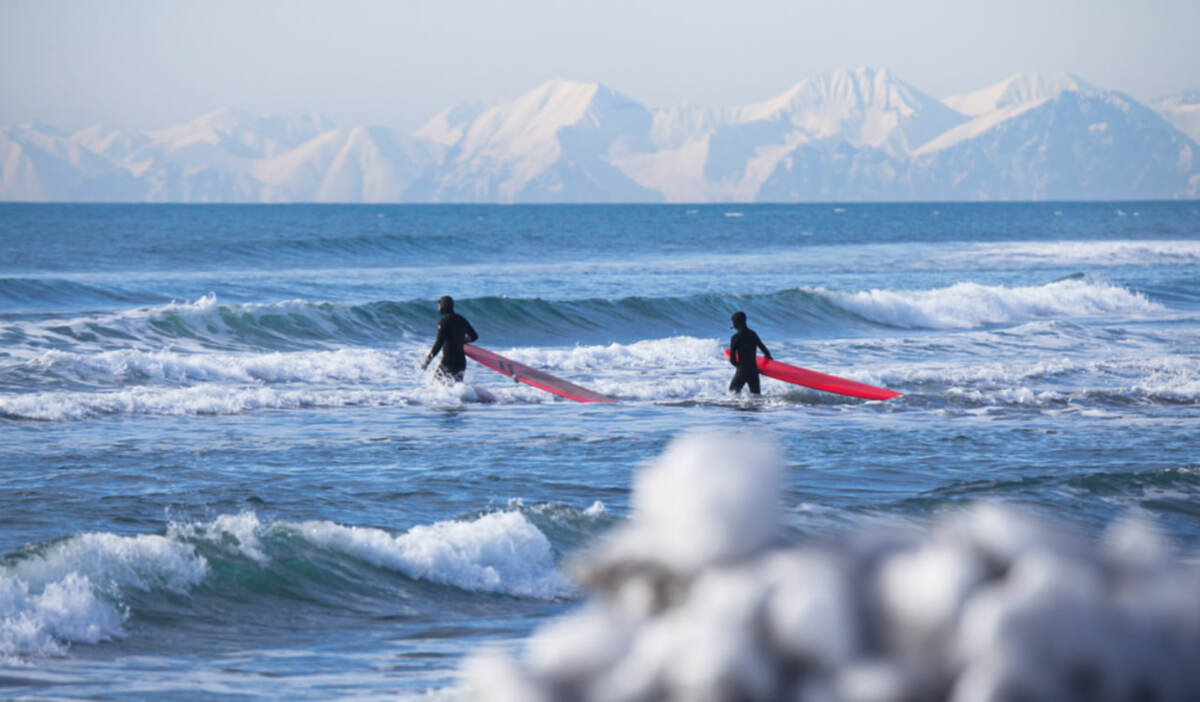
1017,89
864,106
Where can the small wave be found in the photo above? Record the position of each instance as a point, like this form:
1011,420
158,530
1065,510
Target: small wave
971,305
1087,254
208,325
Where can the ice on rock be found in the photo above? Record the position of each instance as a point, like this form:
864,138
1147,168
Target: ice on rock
698,598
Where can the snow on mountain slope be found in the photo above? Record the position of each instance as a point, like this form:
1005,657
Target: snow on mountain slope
109,142
675,126
818,119
242,133
552,144
976,127
1017,89
1182,111
1077,145
864,107
360,164
448,126
39,163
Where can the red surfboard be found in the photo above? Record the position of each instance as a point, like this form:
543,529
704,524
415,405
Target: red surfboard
532,376
820,381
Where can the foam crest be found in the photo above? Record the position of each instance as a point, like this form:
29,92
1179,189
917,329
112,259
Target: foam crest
500,552
136,366
71,591
42,622
988,602
971,305
1087,254
197,400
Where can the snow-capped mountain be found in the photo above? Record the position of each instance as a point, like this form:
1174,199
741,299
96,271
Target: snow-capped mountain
860,134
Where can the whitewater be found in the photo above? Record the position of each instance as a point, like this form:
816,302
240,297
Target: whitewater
223,472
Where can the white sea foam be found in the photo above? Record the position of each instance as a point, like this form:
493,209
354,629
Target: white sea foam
1052,381
129,365
71,591
990,604
209,399
500,552
682,352
971,305
1085,254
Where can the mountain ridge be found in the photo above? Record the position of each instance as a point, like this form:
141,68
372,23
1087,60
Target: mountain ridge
847,134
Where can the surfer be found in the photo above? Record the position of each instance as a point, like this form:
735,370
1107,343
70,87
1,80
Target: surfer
453,331
742,347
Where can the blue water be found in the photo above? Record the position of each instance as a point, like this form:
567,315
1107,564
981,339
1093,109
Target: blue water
222,472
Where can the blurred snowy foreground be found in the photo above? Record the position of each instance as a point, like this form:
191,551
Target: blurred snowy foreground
698,598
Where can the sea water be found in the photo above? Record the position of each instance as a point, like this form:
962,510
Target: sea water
223,473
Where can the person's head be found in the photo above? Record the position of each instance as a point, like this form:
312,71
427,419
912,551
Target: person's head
445,304
738,319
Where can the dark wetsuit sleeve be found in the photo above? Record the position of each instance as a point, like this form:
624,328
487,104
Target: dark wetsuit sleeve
441,338
471,336
762,346
733,350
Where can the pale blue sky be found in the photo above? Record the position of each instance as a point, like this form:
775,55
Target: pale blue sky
153,63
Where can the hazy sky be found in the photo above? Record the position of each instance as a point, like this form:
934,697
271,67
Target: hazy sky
153,63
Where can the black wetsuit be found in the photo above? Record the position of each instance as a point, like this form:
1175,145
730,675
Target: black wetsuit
742,347
453,331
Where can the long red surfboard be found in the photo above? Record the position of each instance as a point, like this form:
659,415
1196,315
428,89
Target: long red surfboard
820,381
532,376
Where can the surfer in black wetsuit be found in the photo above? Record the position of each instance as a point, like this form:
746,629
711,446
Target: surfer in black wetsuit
453,331
742,347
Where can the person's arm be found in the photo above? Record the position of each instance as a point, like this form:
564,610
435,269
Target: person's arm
472,337
437,345
733,351
762,346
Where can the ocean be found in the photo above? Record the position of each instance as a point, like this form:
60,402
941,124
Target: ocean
224,475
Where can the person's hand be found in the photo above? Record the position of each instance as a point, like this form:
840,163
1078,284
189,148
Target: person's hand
425,363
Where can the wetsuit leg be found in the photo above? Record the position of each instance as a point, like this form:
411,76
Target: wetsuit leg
752,381
739,379
448,376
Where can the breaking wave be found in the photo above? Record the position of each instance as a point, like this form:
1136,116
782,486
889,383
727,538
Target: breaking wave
207,324
86,588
